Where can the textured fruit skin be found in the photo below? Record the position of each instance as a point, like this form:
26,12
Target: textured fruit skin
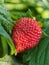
26,34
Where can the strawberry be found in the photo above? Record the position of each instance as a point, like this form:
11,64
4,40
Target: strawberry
26,34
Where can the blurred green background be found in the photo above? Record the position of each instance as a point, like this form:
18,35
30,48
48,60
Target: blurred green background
39,8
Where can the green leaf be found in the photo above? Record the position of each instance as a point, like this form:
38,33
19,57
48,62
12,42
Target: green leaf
4,11
29,14
8,39
37,3
39,55
19,14
14,6
6,24
1,49
4,45
46,30
5,19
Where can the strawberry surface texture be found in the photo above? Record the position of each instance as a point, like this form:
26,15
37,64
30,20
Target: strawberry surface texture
26,34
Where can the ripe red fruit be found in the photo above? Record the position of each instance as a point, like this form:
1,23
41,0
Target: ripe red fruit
26,34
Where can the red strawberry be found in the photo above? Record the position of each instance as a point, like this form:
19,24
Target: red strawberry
26,34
